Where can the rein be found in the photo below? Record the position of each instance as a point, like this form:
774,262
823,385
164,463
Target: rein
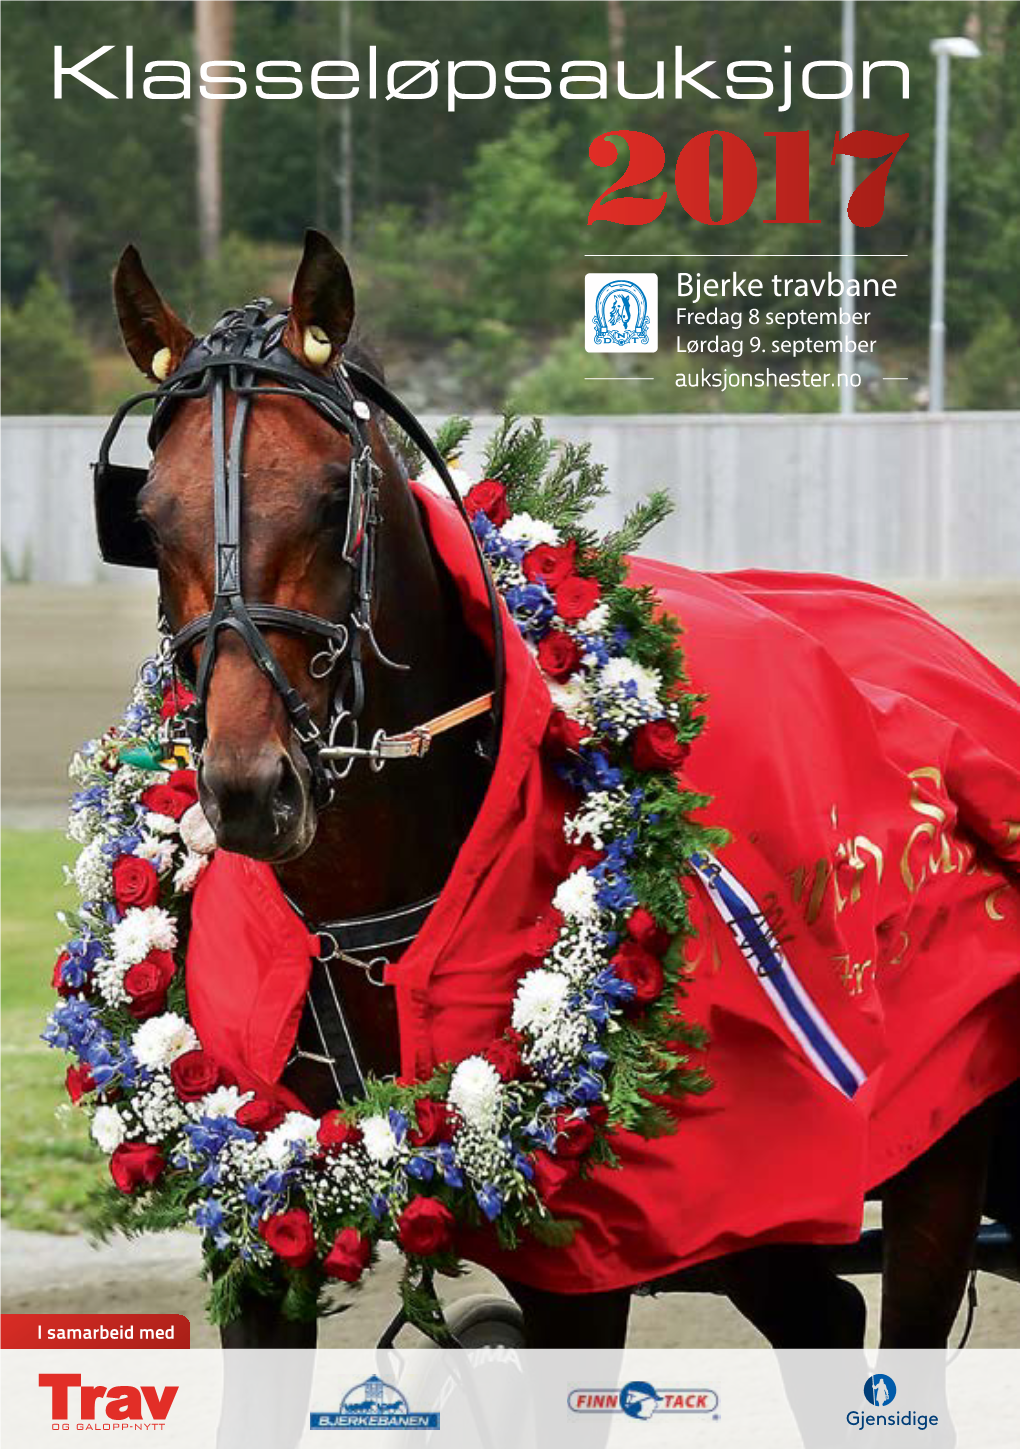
244,355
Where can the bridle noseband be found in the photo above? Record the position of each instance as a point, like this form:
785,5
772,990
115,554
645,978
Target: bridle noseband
244,355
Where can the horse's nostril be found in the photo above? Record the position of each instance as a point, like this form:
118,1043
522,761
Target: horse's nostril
257,805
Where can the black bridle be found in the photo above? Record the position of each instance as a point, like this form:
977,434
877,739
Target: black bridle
244,355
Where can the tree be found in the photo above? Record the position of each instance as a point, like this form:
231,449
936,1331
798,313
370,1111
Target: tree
45,362
214,23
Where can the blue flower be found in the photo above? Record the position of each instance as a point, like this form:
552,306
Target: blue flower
398,1124
532,607
379,1206
448,1165
524,1165
421,1168
209,1218
597,1058
588,1087
490,1200
616,989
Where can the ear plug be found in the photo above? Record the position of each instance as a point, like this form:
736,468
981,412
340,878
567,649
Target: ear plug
318,348
160,364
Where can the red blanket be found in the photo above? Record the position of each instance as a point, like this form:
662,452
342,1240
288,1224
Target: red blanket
867,762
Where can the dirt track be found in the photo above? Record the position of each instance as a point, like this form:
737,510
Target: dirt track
69,656
45,1274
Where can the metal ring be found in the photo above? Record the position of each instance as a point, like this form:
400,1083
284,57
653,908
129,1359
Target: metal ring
325,661
334,947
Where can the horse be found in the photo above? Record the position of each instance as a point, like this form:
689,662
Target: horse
385,843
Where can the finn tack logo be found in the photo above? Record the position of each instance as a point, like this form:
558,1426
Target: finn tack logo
374,1405
639,1400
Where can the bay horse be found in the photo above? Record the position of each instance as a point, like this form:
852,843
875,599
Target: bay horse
387,843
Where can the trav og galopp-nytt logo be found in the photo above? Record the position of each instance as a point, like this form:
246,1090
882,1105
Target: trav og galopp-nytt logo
621,312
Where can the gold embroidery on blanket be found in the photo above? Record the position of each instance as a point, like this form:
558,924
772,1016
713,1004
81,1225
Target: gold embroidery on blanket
851,860
945,854
852,973
994,914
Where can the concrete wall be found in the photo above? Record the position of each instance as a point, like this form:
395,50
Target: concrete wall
880,496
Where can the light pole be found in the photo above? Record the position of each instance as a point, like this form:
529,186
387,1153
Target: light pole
953,47
846,187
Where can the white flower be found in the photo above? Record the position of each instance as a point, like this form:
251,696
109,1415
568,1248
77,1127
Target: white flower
596,619
107,1128
141,932
196,832
297,1128
160,824
522,528
620,672
431,479
189,871
162,1039
160,852
380,1143
541,1000
92,872
571,698
575,897
476,1091
223,1102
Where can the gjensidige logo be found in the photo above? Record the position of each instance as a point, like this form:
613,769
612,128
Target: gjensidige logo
621,312
374,1405
880,1390
641,1400
126,1406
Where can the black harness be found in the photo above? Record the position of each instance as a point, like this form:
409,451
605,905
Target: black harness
244,355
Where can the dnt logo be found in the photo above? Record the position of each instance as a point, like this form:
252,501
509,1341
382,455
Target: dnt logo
621,312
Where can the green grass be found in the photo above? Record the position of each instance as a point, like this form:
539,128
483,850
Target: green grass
49,1163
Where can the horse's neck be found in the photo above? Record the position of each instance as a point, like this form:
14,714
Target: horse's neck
390,838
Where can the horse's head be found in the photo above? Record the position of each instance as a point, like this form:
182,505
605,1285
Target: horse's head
249,505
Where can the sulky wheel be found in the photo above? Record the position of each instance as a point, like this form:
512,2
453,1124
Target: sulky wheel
486,1320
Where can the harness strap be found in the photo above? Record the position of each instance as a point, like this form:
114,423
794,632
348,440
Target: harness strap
412,743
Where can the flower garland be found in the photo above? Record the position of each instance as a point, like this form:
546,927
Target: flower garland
595,1039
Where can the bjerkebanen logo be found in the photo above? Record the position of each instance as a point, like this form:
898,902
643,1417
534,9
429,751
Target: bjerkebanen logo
374,1405
621,312
640,1400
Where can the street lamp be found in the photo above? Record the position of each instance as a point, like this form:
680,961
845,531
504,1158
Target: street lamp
952,47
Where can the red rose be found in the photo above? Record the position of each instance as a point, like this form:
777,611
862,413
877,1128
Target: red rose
563,735
434,1124
173,796
598,1114
558,655
291,1236
135,1163
194,1074
260,1115
552,1174
488,497
78,1081
643,928
644,972
574,1136
654,746
60,986
543,936
176,698
584,857
135,882
336,1132
549,563
349,1256
147,982
576,597
505,1056
425,1227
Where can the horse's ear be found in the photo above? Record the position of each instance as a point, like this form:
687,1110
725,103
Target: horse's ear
153,334
321,303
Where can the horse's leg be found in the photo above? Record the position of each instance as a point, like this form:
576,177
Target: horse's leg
582,1320
265,1401
794,1298
930,1216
